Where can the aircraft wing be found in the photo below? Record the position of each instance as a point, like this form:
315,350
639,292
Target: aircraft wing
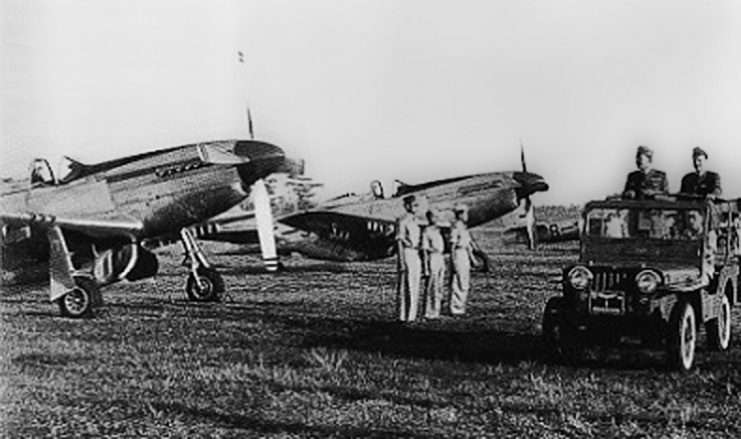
98,227
340,225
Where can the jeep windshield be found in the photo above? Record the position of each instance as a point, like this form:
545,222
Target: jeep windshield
643,232
652,223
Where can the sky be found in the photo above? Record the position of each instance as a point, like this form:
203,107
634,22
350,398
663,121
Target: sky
412,90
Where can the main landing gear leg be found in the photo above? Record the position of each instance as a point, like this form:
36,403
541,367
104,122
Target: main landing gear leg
205,284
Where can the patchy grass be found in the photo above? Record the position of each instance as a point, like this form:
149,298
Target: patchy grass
314,351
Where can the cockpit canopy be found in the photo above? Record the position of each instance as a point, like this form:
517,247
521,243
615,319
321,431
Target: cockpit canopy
377,190
42,173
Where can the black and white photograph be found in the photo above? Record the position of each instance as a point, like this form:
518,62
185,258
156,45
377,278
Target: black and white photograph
370,218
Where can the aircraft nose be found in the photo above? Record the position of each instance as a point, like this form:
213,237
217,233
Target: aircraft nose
292,166
529,183
260,152
264,159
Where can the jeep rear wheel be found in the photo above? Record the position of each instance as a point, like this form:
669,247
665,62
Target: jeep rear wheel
682,340
719,328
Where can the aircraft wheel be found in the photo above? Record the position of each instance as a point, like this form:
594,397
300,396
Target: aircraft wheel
80,300
209,289
559,337
682,340
719,329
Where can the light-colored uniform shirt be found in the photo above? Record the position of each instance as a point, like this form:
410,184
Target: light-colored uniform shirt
460,237
432,240
408,233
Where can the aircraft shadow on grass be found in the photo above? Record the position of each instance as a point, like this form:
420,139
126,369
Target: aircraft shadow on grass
486,346
446,340
434,341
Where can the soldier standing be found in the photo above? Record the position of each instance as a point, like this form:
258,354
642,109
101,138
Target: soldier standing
701,182
645,182
433,247
461,246
408,236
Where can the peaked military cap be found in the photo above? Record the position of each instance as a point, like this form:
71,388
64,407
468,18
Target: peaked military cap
697,151
645,150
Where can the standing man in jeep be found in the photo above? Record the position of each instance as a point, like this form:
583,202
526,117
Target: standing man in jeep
701,182
646,181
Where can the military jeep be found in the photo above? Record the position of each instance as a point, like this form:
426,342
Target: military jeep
649,272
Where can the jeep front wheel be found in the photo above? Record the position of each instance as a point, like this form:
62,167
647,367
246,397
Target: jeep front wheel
719,328
682,339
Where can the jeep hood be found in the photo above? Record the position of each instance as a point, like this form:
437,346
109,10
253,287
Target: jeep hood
641,252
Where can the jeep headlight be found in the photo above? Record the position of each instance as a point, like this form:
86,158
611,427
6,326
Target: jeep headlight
579,278
647,281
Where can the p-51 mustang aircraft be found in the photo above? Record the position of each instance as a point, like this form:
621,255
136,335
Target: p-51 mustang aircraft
91,223
356,228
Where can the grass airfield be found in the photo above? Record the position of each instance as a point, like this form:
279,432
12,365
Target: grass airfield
314,352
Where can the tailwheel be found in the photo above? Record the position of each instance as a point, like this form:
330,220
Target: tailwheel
205,286
682,340
719,328
80,300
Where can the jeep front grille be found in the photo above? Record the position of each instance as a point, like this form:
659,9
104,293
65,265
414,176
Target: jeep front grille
605,281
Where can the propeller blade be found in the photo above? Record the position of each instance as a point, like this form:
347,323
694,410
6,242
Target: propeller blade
530,223
522,157
265,231
249,124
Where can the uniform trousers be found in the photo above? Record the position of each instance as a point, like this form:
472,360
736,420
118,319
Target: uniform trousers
461,281
410,274
434,287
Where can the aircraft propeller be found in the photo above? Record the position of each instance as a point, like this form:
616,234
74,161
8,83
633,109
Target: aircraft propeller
265,231
529,214
263,214
249,124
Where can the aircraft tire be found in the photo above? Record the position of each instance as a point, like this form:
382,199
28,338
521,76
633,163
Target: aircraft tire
719,328
682,339
211,288
80,301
